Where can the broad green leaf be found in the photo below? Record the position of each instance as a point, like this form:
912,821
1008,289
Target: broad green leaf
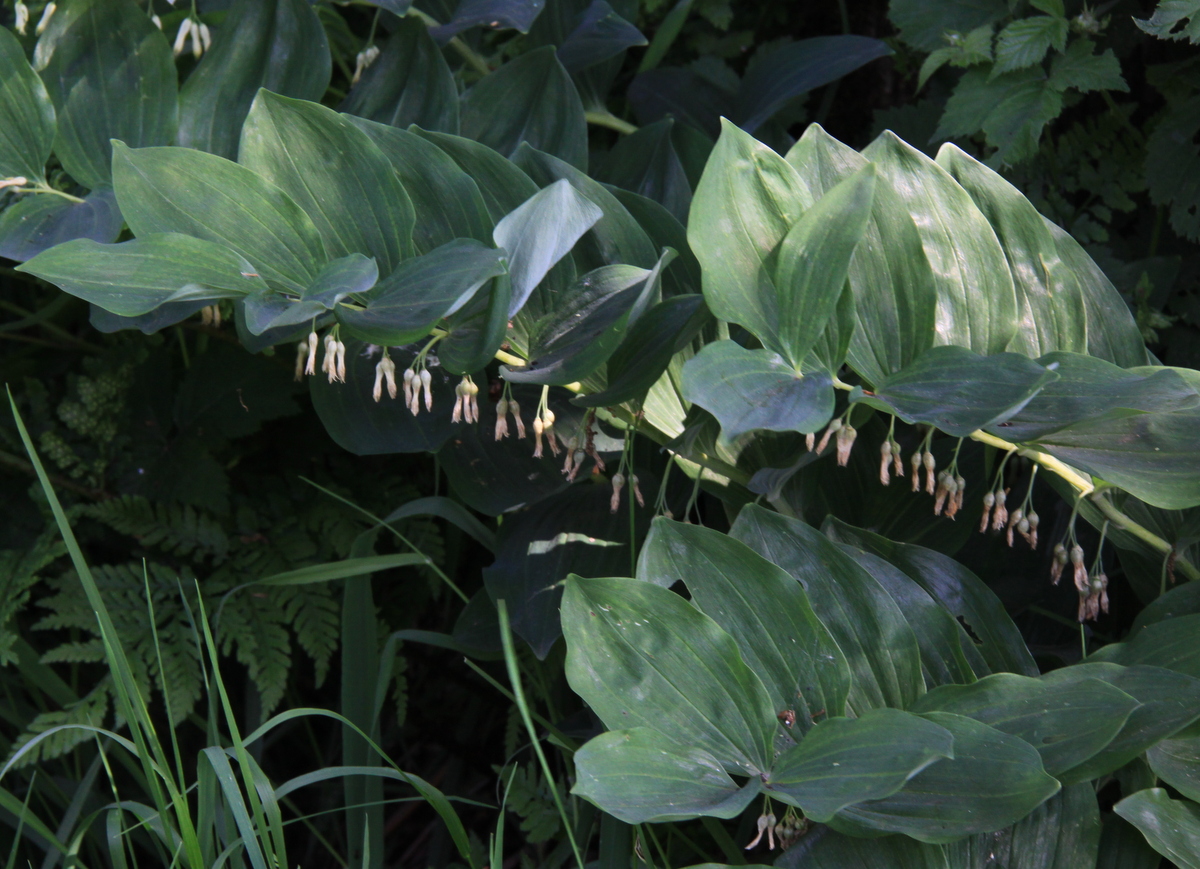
1172,827
37,223
870,629
157,320
502,185
366,427
976,303
446,200
646,162
409,83
1123,847
1177,762
843,761
571,532
665,230
540,232
1183,600
640,775
1170,643
494,477
516,15
278,45
1061,833
1169,702
795,68
764,609
342,277
1153,456
26,114
1050,310
747,200
822,848
616,237
962,593
948,655
1112,333
1079,68
405,305
475,332
209,197
750,390
889,273
959,391
601,34
946,801
642,656
1025,41
647,348
92,57
137,276
587,325
814,259
1090,388
540,106
1068,720
335,173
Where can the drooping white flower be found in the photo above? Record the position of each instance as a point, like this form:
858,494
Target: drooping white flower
22,17
185,30
47,14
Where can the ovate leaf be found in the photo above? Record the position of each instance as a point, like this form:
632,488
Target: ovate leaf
642,656
26,114
137,276
92,57
335,173
1026,41
1172,827
209,197
600,34
278,45
36,223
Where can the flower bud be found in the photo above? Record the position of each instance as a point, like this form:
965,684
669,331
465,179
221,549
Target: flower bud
834,427
810,440
301,355
897,461
181,37
930,464
538,428
156,21
618,482
1000,515
989,501
885,462
427,387
637,492
460,400
916,471
515,410
502,418
1057,563
944,481
45,19
22,19
1014,520
1080,572
845,442
409,374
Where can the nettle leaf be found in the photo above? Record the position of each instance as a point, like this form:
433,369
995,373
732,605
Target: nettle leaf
959,391
889,273
945,802
797,68
1011,109
92,57
1050,308
37,223
26,114
209,197
1026,41
647,349
1084,71
409,83
843,761
1172,158
447,201
642,656
541,107
1172,827
600,34
976,303
335,173
924,26
423,290
1089,388
1068,720
278,45
135,277
750,390
763,608
1173,19
868,625
640,775
540,232
747,200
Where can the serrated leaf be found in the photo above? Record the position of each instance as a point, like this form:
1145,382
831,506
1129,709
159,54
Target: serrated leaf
1172,164
924,26
1079,68
1026,41
1173,19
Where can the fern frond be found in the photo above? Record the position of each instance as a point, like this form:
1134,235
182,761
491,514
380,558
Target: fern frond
90,710
173,528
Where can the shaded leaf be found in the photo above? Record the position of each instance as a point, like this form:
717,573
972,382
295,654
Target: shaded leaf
600,34
1172,827
354,274
646,162
26,114
37,223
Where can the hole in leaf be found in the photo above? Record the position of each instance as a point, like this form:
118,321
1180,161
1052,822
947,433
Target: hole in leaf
970,632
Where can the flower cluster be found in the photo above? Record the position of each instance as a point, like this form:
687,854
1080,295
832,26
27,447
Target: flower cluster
1092,589
22,18
844,435
200,35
